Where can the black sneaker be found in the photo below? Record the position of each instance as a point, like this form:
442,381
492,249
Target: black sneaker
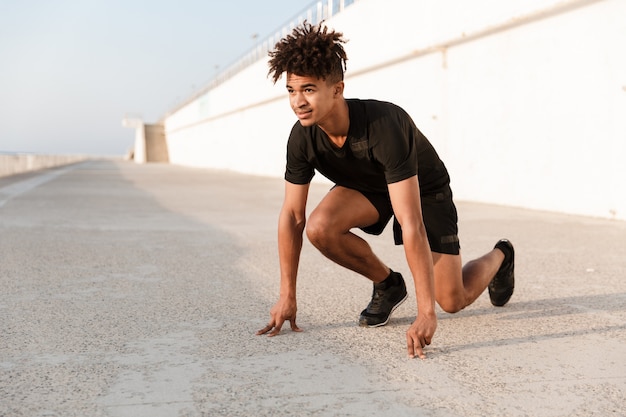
501,286
386,297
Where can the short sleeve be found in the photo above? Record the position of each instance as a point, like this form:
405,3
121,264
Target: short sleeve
395,147
298,169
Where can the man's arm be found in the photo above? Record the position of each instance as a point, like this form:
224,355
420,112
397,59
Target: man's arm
291,224
405,199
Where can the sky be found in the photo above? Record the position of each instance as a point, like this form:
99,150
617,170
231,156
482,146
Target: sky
70,70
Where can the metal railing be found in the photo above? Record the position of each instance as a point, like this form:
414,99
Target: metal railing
315,13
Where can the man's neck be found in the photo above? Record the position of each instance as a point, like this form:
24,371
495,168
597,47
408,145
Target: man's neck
337,127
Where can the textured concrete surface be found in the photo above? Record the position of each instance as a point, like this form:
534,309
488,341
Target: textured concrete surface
136,290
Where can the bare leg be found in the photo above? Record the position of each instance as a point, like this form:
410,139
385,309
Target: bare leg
328,229
456,287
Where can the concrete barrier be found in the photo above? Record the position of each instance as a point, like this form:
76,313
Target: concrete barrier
11,164
150,143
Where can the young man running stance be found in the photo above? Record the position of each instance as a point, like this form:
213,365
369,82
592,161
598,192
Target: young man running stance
382,167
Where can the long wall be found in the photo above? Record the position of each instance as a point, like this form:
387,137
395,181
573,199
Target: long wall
11,164
525,100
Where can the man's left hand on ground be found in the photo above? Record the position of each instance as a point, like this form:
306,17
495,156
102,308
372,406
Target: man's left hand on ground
284,310
420,335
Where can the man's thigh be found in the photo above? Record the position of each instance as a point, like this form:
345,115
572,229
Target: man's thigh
343,209
448,271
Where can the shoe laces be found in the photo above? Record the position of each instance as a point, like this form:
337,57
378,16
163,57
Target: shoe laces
496,281
502,274
377,299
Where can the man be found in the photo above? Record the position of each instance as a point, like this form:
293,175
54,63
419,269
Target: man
382,166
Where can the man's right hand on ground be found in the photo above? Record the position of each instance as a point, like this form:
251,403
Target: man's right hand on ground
283,310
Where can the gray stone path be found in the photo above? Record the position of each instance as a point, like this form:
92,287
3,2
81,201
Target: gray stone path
133,290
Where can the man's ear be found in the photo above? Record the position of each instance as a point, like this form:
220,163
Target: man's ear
339,86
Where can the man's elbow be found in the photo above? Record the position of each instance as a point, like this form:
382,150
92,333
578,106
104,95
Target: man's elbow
413,230
296,221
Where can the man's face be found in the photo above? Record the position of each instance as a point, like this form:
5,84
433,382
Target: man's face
312,99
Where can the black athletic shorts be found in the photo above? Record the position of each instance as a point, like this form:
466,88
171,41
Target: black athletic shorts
439,214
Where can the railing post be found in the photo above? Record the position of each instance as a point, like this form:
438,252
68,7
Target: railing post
320,10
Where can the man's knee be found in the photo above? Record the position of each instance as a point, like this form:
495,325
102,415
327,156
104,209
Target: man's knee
451,302
451,307
318,231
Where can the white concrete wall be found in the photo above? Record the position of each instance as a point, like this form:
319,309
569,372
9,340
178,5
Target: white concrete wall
139,154
11,164
525,100
150,143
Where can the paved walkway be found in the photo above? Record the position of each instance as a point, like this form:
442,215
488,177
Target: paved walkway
136,290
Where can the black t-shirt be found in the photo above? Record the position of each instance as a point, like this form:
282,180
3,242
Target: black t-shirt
383,146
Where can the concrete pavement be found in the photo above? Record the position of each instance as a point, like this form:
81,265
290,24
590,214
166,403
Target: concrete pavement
135,290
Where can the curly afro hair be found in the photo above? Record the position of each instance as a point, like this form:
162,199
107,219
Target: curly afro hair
309,50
